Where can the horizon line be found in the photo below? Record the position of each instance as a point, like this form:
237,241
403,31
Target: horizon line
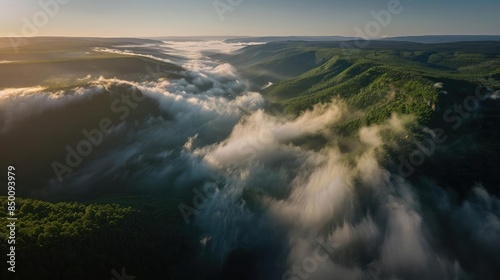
241,36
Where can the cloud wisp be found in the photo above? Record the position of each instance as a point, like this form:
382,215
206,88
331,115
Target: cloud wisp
319,211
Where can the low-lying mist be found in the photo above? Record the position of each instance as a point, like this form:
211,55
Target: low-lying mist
292,209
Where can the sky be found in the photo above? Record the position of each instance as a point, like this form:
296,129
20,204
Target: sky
150,18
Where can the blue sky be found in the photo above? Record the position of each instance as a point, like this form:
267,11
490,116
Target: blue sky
146,18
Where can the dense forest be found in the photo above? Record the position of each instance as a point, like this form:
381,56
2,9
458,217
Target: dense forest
89,237
385,78
71,240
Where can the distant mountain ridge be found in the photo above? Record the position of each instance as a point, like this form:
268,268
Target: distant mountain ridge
433,39
426,39
267,39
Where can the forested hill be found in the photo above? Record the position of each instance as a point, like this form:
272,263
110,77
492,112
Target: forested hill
72,240
382,78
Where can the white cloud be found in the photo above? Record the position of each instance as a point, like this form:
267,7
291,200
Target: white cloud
273,190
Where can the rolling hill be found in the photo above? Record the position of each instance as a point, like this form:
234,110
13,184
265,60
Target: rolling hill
427,81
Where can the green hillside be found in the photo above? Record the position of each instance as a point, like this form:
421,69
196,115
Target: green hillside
64,62
73,240
382,78
427,81
88,238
